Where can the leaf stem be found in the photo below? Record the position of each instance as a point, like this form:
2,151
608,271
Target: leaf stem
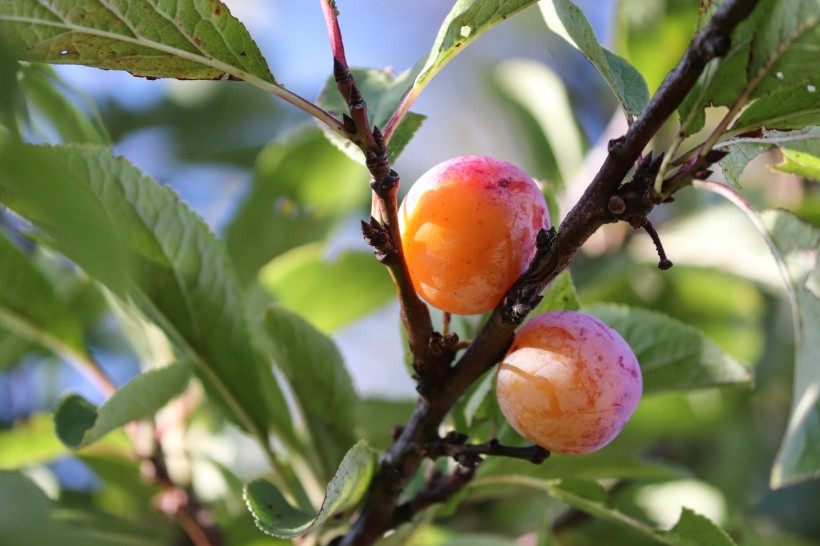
334,33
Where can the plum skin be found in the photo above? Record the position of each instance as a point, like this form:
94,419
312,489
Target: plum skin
468,229
569,383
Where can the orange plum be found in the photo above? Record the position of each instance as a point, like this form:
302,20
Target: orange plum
468,229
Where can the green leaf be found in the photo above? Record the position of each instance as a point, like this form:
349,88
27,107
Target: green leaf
590,497
276,517
568,21
695,530
186,39
795,245
49,95
29,442
467,20
672,355
560,295
146,246
376,418
301,187
316,372
773,51
541,98
79,423
35,520
793,108
31,307
800,149
383,92
305,280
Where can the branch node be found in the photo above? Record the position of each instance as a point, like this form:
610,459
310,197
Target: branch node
377,236
385,180
715,45
616,145
341,73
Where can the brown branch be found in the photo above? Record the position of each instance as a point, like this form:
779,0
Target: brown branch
470,455
431,356
180,504
403,458
439,489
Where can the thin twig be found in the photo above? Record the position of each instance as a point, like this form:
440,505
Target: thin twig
429,364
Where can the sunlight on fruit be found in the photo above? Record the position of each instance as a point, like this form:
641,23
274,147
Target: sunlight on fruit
468,232
569,383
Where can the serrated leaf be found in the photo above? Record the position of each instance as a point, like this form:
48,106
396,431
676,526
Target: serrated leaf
301,187
793,108
145,245
801,150
305,280
321,383
568,21
695,530
30,306
80,423
672,355
383,91
773,51
795,244
187,39
276,517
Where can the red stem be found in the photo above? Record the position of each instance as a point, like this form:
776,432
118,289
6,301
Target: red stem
334,33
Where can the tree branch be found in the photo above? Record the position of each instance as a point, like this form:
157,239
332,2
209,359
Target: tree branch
403,458
431,354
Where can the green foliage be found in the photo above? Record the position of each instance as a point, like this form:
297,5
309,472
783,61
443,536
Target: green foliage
122,246
278,518
157,252
289,202
192,39
383,92
795,245
568,21
298,280
79,423
317,374
800,149
772,51
672,355
31,307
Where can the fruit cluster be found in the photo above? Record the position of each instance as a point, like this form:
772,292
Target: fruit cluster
569,383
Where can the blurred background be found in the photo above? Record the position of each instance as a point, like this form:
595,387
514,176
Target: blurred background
519,93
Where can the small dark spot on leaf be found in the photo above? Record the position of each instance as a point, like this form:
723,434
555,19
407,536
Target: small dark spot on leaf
243,54
197,41
217,10
458,44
